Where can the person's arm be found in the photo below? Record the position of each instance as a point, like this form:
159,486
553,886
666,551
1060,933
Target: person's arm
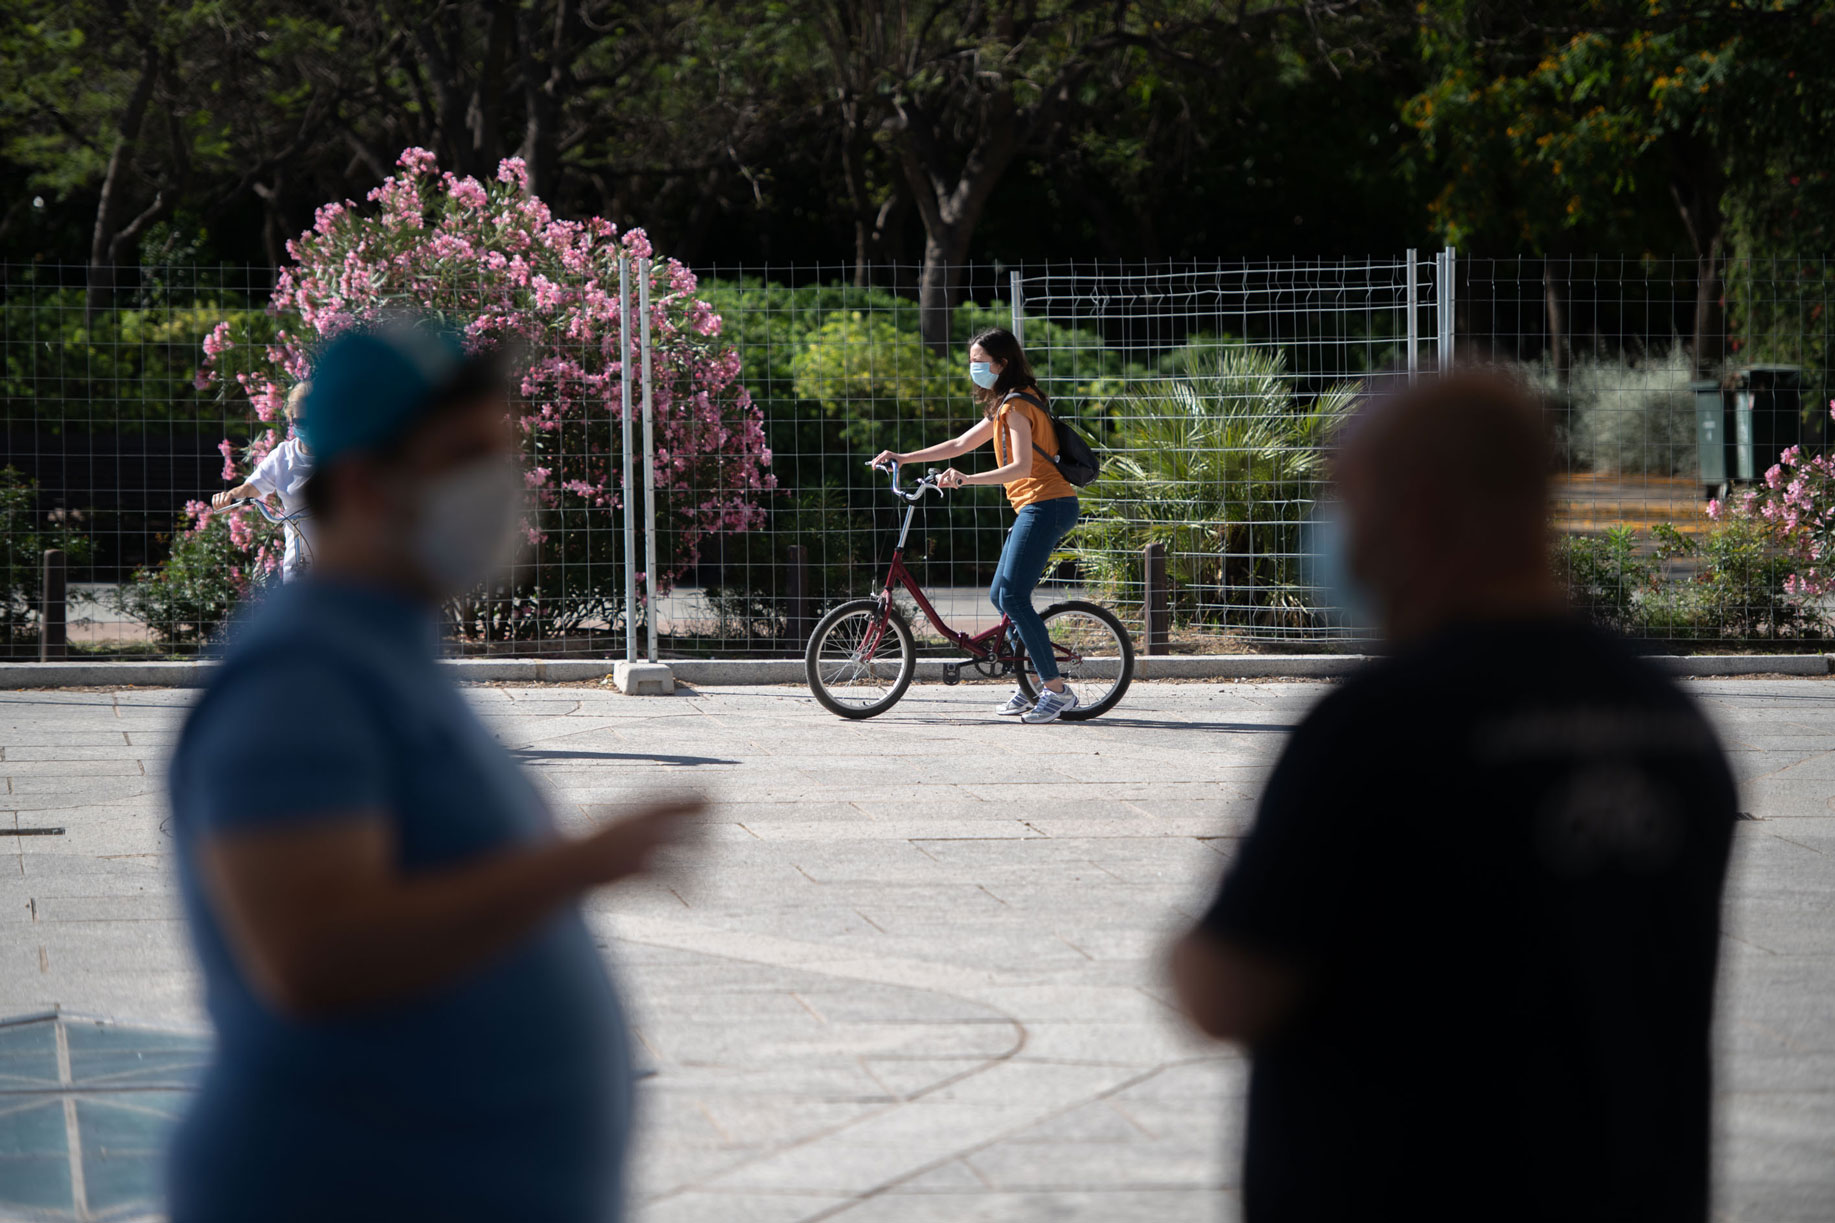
233,494
322,921
1019,448
1298,888
1231,993
976,436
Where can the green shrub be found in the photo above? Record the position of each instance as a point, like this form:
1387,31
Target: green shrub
1222,465
1605,575
189,597
120,369
1630,417
1738,592
884,387
23,544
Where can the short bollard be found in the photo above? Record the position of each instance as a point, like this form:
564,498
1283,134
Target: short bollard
53,641
1158,599
797,620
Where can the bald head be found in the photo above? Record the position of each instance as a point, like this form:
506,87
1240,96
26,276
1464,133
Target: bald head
1446,492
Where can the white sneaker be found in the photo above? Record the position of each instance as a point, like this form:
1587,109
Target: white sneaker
1050,705
1016,705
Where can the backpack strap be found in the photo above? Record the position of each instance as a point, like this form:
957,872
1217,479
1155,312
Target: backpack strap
1038,403
1032,399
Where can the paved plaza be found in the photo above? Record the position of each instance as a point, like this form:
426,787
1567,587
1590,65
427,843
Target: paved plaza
913,973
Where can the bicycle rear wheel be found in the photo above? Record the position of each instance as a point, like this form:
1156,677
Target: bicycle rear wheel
860,659
1094,653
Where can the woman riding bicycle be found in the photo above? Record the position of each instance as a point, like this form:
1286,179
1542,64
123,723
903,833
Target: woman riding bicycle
1013,417
283,475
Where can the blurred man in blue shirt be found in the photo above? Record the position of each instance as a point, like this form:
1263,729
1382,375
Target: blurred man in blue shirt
412,1019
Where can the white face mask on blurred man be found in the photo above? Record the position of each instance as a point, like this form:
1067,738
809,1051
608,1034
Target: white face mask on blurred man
466,524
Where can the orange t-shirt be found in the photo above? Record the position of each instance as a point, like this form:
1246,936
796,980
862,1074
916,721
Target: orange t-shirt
1043,482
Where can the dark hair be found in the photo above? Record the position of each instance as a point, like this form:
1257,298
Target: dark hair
1015,373
479,378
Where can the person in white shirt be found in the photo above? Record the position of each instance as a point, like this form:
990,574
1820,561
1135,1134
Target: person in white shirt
282,475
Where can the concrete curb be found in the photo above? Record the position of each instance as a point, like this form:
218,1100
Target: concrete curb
1707,665
740,672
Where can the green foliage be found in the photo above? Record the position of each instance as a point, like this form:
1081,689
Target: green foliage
1629,417
1221,464
1736,591
119,370
1605,575
188,598
1739,591
730,129
1536,136
883,385
23,544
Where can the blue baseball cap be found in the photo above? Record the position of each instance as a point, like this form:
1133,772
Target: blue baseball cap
371,384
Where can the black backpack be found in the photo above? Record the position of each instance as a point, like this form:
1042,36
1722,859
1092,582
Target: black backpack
1075,460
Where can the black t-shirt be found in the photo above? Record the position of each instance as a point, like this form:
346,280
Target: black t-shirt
1498,857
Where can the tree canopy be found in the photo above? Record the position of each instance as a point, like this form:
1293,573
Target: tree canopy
849,133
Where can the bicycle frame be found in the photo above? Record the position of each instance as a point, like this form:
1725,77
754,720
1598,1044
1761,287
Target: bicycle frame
288,523
984,646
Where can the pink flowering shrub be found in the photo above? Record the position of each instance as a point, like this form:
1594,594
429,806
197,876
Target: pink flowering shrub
490,258
1757,573
1795,512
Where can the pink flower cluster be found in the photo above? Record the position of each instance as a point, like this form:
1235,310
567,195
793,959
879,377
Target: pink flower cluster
494,260
1796,509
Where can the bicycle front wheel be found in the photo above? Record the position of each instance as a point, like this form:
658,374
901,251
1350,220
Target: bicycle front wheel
1094,653
860,659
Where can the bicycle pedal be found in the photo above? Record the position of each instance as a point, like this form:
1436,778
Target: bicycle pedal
952,673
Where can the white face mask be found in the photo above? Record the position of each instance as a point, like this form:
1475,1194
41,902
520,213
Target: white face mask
1326,566
466,522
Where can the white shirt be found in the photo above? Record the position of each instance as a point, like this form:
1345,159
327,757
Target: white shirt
283,474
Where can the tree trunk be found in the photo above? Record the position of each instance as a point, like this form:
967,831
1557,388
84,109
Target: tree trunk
936,283
108,206
485,114
541,96
1558,350
1696,184
950,210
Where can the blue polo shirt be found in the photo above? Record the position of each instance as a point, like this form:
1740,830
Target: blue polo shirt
505,1094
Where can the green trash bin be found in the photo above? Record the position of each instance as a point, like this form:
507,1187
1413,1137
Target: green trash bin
1711,440
1768,401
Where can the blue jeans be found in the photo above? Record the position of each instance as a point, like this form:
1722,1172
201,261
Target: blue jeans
1022,563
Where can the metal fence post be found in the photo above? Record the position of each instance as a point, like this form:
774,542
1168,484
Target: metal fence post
643,304
1019,305
1443,311
796,587
52,639
1157,598
630,523
1414,319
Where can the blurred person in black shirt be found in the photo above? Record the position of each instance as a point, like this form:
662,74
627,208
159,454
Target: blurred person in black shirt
1470,939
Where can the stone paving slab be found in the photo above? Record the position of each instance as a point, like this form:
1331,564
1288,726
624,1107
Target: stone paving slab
914,972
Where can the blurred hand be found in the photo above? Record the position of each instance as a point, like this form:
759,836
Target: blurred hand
886,458
951,478
222,499
623,849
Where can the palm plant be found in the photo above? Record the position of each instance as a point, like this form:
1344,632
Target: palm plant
1222,464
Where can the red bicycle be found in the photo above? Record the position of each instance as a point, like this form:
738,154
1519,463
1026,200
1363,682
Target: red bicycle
862,656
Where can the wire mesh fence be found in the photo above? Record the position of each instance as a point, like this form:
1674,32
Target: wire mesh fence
1212,388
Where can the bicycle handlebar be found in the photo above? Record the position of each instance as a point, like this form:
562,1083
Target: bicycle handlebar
926,485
